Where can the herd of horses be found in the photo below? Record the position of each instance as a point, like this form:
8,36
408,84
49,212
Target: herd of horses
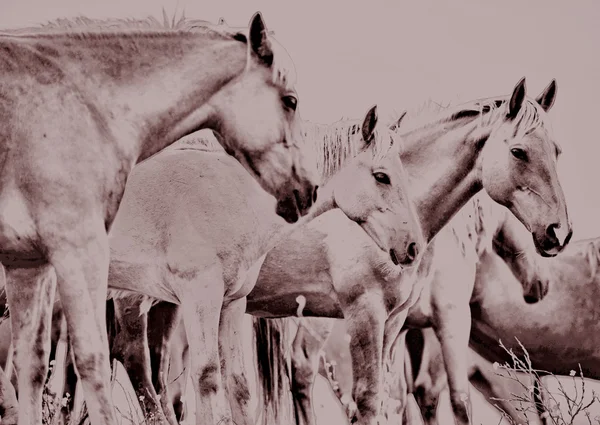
440,230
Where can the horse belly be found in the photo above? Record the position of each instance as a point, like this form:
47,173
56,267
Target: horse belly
18,235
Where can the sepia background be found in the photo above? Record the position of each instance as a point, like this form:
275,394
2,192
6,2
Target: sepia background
400,54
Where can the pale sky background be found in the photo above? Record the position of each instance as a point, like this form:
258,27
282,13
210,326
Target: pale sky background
352,54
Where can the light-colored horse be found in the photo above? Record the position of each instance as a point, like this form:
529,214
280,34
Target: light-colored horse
200,245
443,302
79,108
555,343
493,151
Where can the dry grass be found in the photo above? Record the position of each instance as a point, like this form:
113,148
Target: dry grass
568,405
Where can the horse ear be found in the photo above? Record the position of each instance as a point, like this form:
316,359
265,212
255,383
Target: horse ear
369,124
516,100
548,96
396,125
259,39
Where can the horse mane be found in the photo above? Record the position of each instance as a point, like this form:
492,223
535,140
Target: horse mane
590,248
335,143
489,110
83,26
202,140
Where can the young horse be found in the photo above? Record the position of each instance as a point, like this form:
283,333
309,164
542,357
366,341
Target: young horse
207,262
502,145
79,109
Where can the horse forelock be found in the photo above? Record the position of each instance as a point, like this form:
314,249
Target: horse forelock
283,67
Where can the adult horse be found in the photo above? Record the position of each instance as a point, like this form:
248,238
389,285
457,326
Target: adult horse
79,108
451,257
500,144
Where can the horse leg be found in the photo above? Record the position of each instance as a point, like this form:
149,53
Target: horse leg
412,414
232,361
488,384
70,385
365,318
201,303
431,380
178,371
452,327
9,413
30,294
310,338
81,265
395,379
130,348
163,319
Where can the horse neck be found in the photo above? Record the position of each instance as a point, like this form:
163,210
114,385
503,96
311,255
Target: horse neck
149,86
442,160
514,246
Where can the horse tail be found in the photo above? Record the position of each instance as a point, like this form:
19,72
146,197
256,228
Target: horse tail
270,337
111,322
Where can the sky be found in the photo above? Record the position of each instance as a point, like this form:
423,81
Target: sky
350,55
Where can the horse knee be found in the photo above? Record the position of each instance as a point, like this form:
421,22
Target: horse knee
367,403
89,366
33,365
207,379
427,403
302,370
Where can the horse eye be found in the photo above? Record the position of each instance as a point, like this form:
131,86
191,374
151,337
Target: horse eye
519,154
290,102
382,178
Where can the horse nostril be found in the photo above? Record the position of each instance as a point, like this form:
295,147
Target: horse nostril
412,251
394,257
551,230
315,193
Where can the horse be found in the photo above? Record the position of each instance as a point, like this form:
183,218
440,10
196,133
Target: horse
511,127
377,205
162,248
446,309
374,328
79,110
554,343
454,253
